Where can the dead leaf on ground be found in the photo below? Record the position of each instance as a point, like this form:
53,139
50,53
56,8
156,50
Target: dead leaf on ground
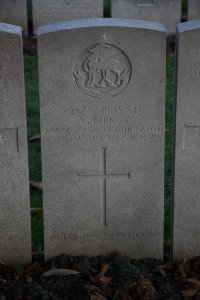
122,294
60,272
105,268
145,288
35,137
33,267
190,292
195,282
90,289
167,266
184,268
97,296
36,184
36,210
193,292
101,280
142,289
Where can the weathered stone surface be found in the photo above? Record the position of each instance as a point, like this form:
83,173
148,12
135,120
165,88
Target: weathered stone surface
186,232
102,118
167,12
14,12
193,9
51,11
15,236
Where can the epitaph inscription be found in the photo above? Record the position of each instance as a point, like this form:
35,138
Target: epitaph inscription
102,69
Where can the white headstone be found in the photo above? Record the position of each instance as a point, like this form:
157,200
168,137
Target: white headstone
51,11
186,232
167,12
102,90
193,9
15,233
14,12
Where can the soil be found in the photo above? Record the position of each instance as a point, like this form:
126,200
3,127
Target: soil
99,281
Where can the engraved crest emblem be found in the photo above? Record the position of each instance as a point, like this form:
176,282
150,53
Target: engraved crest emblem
102,70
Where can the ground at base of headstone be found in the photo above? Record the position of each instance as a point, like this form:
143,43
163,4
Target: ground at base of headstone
114,277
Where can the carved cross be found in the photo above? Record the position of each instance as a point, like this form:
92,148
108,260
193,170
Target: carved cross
104,176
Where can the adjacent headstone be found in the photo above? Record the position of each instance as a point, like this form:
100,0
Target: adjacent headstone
186,232
167,12
51,11
102,118
193,9
14,12
15,236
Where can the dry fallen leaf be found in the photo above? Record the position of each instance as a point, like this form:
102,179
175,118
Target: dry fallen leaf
60,272
35,138
184,268
97,296
104,270
145,288
167,266
36,184
101,280
33,267
122,294
195,282
90,289
190,292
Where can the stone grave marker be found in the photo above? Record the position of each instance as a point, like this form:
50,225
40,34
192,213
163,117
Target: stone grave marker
167,12
193,9
102,117
15,234
186,232
51,11
14,12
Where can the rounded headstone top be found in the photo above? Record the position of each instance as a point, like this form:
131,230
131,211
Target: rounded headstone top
10,28
188,26
86,23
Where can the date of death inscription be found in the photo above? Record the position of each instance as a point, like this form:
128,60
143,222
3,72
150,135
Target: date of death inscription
103,123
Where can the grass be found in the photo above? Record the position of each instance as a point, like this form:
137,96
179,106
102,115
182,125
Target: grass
168,145
32,96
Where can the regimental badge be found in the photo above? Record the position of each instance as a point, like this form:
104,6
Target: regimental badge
102,70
